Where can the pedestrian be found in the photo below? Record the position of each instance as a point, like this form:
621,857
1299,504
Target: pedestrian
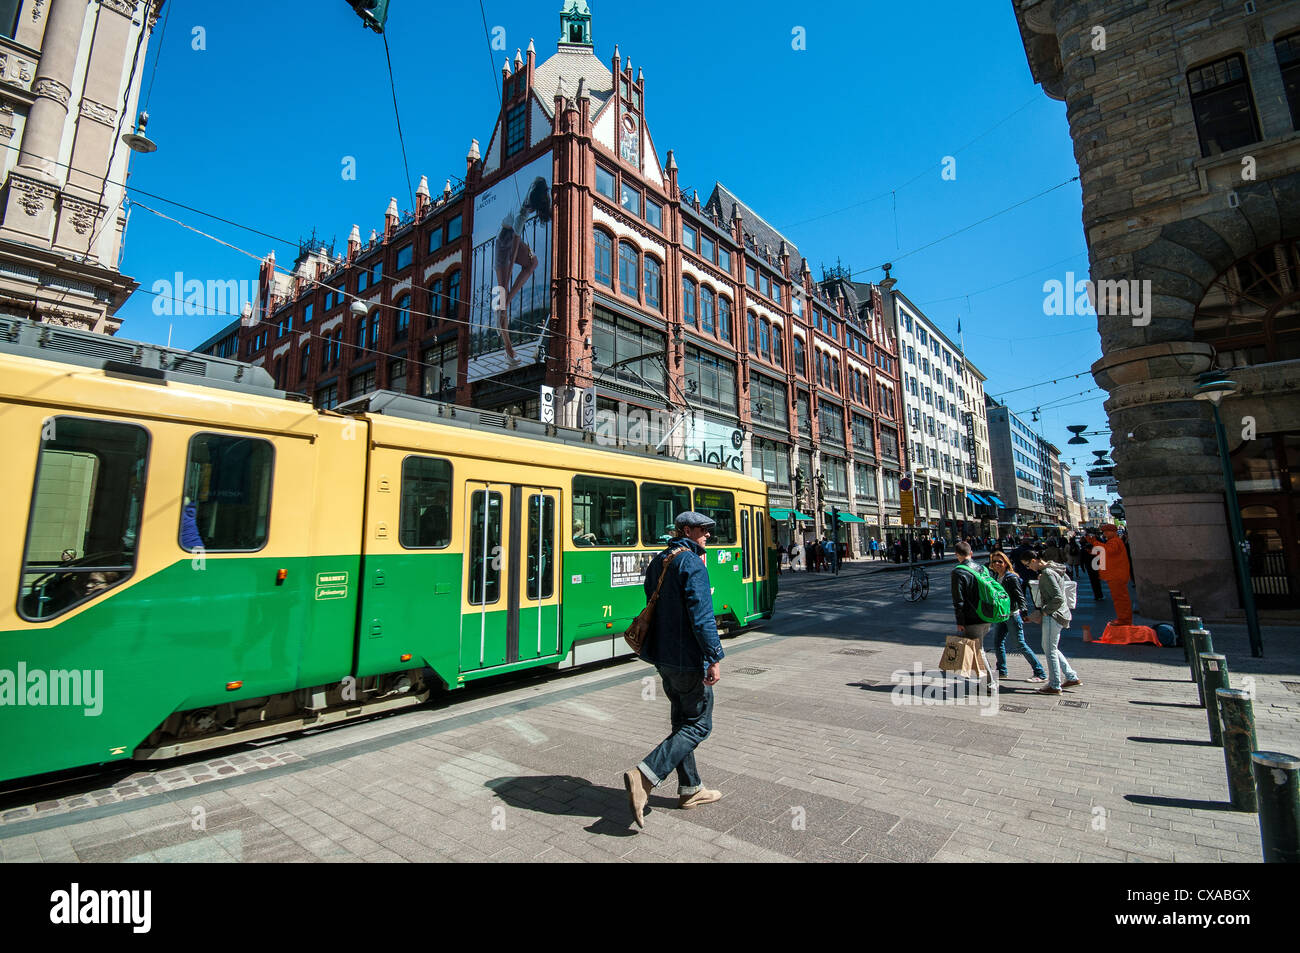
1003,572
965,604
1092,555
938,547
873,545
829,555
1072,552
1056,618
683,645
1115,569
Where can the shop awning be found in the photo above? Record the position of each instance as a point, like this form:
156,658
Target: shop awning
802,517
976,498
779,513
996,502
846,517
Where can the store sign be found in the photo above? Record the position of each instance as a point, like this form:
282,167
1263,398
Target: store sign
718,444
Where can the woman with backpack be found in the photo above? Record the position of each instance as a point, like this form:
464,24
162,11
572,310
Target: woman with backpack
1000,566
1055,606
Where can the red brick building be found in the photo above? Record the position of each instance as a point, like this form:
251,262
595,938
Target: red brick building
645,313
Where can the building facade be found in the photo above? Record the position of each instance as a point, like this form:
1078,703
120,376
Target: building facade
1020,471
68,92
571,279
1184,118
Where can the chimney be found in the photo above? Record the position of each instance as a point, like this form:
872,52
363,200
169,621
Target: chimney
422,197
391,218
354,243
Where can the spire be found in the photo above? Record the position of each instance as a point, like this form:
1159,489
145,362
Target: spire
391,218
354,242
519,59
422,197
672,161
582,88
505,68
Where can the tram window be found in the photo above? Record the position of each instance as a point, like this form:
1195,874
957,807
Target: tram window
541,546
760,545
85,518
659,508
744,542
485,549
719,506
426,503
604,512
226,504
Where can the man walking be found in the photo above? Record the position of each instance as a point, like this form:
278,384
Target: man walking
965,603
683,645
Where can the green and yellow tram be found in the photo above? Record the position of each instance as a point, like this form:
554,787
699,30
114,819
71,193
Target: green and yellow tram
198,560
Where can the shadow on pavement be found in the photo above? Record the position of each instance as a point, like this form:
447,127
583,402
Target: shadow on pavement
1195,742
1165,704
1155,800
568,796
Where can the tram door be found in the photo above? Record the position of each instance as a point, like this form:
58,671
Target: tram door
747,559
511,599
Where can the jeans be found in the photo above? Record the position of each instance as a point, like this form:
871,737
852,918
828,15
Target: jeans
1057,664
1000,632
692,720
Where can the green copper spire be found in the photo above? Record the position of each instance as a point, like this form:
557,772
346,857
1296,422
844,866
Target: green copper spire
575,23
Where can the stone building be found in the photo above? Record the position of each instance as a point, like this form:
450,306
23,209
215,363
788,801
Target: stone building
570,278
1184,118
68,92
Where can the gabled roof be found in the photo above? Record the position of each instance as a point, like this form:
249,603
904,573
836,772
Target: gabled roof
560,74
723,204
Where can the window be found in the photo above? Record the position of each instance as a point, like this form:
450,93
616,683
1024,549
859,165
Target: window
688,301
604,259
689,236
654,213
629,269
426,503
617,339
768,401
1249,313
835,374
484,580
604,512
765,286
403,323
604,182
453,228
360,335
724,318
800,367
541,547
751,324
889,443
516,128
1288,61
376,273
226,500
864,481
327,398
397,375
304,368
306,315
765,339
631,199
771,462
653,283
706,247
724,259
362,383
863,438
778,346
836,474
437,303
374,328
1223,106
710,380
405,256
776,292
435,237
85,517
706,310
719,506
659,508
438,375
830,419
803,413
751,277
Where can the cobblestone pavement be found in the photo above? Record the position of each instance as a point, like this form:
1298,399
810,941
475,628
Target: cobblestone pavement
815,756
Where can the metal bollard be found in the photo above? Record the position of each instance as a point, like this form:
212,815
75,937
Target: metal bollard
1277,785
1214,675
1177,606
1190,622
1197,638
1237,715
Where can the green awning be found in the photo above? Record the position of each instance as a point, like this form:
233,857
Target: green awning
802,517
779,513
846,517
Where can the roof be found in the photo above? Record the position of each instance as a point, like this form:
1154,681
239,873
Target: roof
723,203
561,72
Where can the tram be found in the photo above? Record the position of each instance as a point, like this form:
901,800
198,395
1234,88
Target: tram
200,560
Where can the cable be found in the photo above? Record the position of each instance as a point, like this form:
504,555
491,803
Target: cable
400,139
162,35
1055,380
1001,284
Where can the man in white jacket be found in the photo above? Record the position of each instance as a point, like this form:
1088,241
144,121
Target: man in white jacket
1056,616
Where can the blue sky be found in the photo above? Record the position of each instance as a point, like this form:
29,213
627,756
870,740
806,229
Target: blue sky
254,118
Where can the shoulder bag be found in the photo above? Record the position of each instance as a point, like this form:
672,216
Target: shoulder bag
639,630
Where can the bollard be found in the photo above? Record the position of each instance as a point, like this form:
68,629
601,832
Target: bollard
1277,785
1191,622
1199,639
1181,610
1214,675
1237,715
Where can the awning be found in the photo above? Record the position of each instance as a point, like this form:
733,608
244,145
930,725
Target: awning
802,517
847,517
996,502
976,498
779,513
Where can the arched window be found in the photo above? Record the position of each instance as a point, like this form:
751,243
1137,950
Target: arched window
653,283
629,269
453,296
604,264
706,310
361,333
403,324
751,325
437,303
778,346
800,367
765,339
688,301
724,318
1251,312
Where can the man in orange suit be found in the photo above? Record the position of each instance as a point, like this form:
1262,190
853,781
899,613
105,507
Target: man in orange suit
1114,570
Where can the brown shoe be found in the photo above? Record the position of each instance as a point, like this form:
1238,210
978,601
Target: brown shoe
638,794
702,796
1071,683
1047,690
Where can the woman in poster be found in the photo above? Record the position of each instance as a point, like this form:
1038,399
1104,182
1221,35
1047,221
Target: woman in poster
512,250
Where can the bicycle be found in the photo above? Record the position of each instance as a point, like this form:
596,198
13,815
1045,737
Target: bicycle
916,586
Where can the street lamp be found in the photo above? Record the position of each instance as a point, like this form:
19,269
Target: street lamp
1213,386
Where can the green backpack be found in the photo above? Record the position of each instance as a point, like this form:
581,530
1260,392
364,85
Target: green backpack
994,603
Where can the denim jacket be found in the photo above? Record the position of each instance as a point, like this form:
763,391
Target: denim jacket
685,633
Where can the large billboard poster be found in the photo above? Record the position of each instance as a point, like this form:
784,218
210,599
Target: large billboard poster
510,298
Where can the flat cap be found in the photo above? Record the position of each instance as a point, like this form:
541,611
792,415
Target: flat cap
692,518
